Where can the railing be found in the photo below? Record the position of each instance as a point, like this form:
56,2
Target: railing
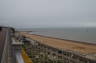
16,51
19,54
19,58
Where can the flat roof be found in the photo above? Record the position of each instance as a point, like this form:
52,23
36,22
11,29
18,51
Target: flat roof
63,44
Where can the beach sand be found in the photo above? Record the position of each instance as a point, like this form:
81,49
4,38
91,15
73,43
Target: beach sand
63,44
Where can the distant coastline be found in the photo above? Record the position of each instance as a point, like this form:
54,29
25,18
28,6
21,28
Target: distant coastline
65,39
76,34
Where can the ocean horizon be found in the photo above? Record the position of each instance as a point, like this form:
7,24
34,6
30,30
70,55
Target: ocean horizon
77,34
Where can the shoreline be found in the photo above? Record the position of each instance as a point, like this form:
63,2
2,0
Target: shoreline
65,39
84,48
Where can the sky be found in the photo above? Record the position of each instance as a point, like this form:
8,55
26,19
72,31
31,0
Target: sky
48,13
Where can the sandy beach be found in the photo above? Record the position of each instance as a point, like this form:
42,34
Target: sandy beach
63,44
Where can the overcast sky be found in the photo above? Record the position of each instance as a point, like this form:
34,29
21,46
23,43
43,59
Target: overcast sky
48,13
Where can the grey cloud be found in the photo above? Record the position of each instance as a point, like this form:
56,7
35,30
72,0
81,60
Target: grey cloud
60,13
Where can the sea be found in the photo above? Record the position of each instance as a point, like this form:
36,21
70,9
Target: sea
77,34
